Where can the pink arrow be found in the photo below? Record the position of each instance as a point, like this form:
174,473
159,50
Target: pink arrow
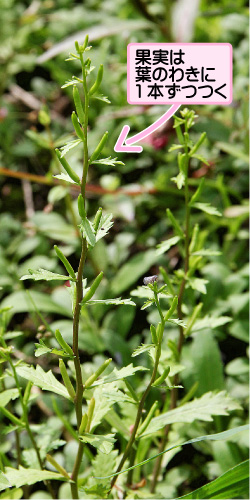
125,145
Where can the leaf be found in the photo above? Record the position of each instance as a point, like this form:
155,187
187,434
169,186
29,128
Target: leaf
107,161
142,348
68,83
21,302
102,443
88,231
208,437
232,150
232,484
43,274
20,477
116,302
206,207
45,380
198,284
210,322
206,252
7,396
179,180
206,365
13,494
164,246
124,372
179,322
104,226
101,97
4,481
42,349
117,396
70,145
129,273
98,490
147,304
65,177
199,409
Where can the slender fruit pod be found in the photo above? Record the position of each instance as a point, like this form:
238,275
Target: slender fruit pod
161,379
90,413
81,48
26,395
97,219
66,379
99,148
197,193
175,223
65,262
12,418
194,239
153,334
67,167
93,288
83,424
63,344
57,466
198,144
131,390
77,127
81,208
172,309
98,81
148,418
78,104
98,372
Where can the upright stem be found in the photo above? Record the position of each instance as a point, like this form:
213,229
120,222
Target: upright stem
79,297
141,404
174,392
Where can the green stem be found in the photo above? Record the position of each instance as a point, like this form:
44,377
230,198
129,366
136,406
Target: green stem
79,297
174,392
142,401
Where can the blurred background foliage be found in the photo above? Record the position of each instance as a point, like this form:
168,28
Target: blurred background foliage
36,213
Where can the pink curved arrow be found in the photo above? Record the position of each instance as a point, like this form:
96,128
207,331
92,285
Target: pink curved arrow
125,145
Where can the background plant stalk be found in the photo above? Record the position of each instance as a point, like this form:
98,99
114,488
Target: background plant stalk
174,392
142,401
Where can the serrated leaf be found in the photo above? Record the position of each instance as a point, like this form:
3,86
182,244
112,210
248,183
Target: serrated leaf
116,302
107,161
124,372
68,83
42,349
43,274
7,396
142,348
164,246
70,145
179,180
88,231
147,304
101,443
207,208
117,396
98,490
211,322
101,97
20,477
104,226
199,409
232,484
45,380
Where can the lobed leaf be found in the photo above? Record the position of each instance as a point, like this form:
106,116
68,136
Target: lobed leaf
43,274
45,380
21,477
199,409
101,443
